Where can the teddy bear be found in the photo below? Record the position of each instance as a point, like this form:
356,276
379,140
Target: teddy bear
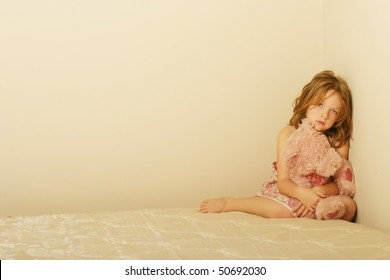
312,161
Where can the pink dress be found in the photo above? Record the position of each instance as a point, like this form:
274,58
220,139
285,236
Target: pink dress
270,189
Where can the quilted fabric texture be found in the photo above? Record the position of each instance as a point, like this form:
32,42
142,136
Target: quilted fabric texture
186,234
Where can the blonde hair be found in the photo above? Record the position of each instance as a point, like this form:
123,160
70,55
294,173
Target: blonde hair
314,93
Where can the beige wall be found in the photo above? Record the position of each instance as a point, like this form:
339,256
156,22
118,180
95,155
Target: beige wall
357,45
134,104
108,105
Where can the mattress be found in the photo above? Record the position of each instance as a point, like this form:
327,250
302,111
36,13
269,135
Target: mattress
185,234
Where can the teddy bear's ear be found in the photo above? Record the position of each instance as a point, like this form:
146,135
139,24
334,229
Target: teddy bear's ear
330,163
345,179
289,156
291,161
293,146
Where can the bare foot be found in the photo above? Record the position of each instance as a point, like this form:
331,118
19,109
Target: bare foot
217,205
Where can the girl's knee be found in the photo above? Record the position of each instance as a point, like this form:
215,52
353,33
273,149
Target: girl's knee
350,208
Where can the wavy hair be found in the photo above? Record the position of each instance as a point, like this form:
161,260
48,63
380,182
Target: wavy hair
314,92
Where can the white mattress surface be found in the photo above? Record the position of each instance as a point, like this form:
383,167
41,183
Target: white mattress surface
185,234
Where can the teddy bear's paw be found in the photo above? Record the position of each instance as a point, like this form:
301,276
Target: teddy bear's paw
330,208
334,215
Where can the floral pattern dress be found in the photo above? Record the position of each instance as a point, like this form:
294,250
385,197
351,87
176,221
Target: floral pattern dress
270,188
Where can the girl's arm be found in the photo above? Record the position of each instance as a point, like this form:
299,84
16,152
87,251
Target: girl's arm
309,197
344,151
328,189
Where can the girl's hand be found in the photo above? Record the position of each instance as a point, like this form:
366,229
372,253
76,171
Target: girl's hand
310,198
301,210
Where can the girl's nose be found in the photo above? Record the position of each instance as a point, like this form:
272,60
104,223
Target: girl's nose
325,114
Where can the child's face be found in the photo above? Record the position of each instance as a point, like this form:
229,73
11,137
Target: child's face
323,115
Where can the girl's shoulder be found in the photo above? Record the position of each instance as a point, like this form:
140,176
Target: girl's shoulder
344,150
285,133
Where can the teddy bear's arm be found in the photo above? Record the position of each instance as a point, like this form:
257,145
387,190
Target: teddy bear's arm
345,179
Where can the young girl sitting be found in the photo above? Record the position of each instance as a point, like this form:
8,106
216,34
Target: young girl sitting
324,109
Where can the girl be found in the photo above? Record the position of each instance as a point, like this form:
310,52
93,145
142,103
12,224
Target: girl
326,103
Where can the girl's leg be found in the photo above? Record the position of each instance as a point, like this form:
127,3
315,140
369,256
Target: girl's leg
261,206
350,208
